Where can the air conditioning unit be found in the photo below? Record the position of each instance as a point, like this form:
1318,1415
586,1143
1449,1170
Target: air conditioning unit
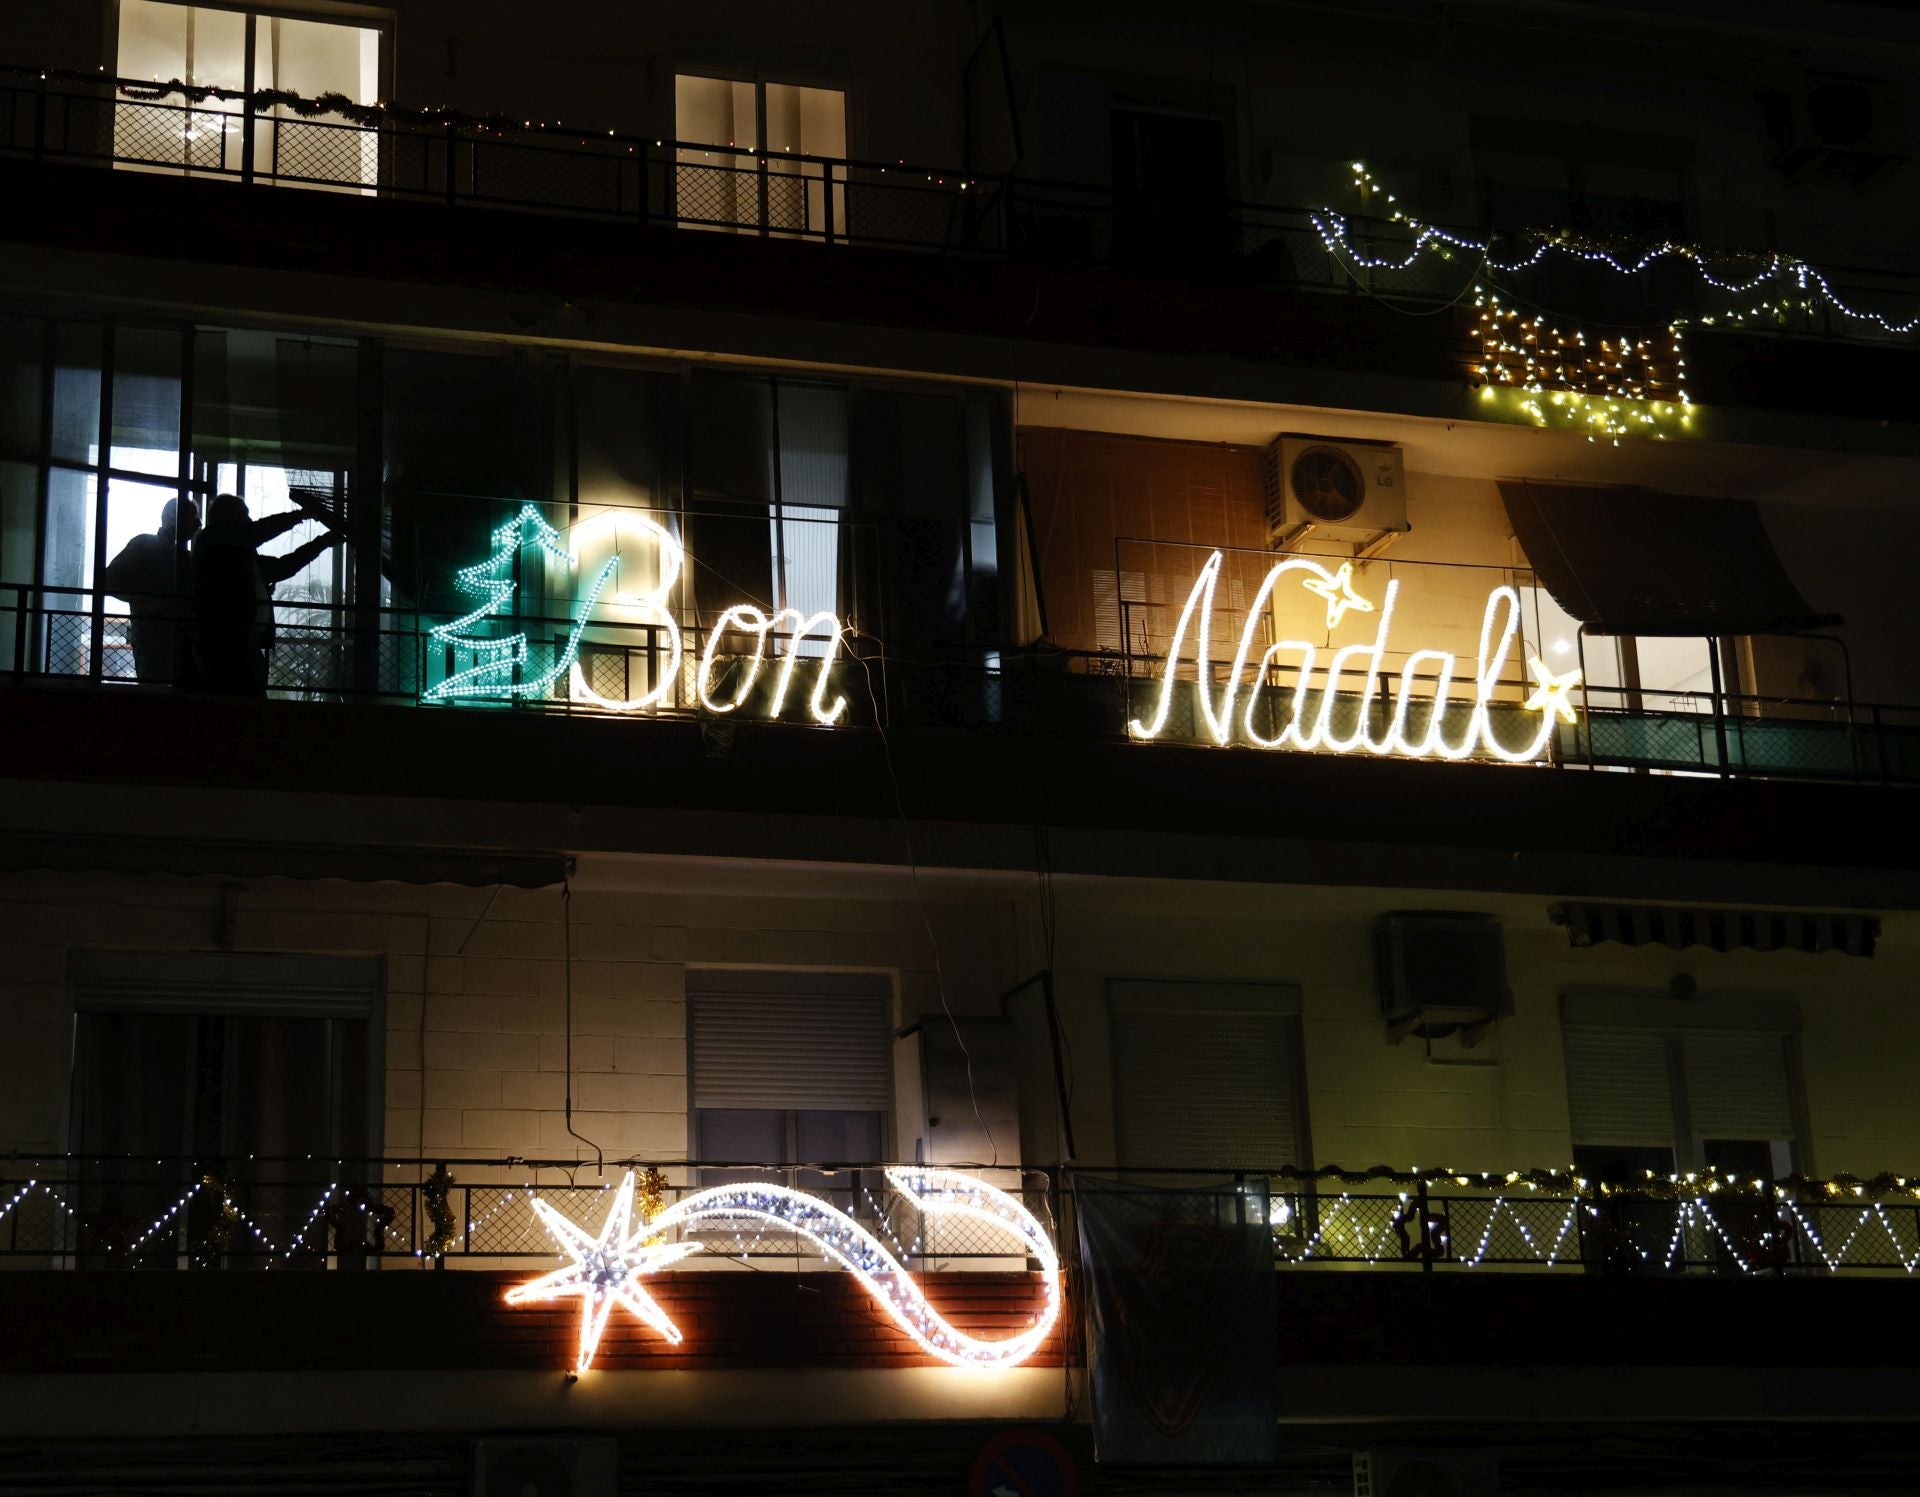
1347,489
1440,973
1835,125
1424,1473
552,1467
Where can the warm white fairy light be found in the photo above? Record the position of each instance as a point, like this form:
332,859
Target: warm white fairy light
1550,695
607,1269
1315,731
1338,592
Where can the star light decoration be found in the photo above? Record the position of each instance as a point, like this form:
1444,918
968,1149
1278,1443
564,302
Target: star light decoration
606,1271
1339,595
1551,694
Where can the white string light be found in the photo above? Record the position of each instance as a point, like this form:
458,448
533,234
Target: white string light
670,561
1499,630
1806,279
606,1270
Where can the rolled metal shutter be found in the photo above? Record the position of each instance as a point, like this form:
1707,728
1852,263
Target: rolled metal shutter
1738,1085
800,1040
1204,1090
1619,1086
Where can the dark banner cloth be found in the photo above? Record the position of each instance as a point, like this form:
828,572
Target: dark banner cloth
1181,1325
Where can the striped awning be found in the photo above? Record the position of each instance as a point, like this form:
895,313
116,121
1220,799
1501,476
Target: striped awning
1679,926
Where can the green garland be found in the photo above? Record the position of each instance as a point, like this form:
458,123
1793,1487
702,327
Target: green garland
1686,1184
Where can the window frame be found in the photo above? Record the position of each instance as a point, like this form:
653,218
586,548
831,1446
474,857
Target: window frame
1761,1016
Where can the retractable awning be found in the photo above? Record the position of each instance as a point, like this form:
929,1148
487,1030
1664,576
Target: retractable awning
1678,927
1629,560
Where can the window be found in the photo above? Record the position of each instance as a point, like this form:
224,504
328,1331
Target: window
791,1068
1693,1098
768,494
738,163
1171,205
1206,1076
272,420
1655,1100
247,51
254,1069
1644,673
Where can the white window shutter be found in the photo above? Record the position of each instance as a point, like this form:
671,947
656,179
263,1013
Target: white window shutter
791,1040
1203,1088
1619,1086
1738,1085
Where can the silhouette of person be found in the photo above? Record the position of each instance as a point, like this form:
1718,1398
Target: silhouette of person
233,592
154,575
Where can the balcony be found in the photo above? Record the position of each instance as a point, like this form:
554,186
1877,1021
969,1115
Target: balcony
1346,282
268,1215
583,658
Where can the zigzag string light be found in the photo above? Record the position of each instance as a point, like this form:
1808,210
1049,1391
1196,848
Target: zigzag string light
1314,731
607,1269
1806,282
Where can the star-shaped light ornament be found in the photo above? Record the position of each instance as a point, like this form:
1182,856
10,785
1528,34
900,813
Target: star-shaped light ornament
1551,695
1338,592
606,1271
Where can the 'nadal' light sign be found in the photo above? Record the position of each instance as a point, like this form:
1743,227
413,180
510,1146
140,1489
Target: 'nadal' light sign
608,1270
1307,721
497,666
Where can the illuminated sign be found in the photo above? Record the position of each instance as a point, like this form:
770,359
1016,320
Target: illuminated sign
497,666
1307,720
607,1270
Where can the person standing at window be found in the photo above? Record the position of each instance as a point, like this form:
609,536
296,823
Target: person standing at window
233,592
153,573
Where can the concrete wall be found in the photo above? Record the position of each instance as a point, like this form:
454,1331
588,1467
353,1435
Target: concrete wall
474,1005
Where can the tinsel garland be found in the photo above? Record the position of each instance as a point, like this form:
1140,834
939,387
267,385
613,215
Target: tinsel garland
442,1234
1685,1185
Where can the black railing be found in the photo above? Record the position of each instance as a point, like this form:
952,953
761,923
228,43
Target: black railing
333,652
265,1214
784,194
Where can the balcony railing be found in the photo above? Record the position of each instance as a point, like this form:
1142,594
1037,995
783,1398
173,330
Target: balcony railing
783,194
118,1213
328,652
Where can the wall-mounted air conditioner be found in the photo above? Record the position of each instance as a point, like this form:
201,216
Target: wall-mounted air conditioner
1344,489
1440,973
545,1467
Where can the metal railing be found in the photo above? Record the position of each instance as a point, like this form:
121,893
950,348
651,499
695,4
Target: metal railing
342,652
281,1214
785,194
107,1213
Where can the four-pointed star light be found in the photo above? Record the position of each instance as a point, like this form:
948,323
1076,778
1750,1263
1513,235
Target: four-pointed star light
605,1271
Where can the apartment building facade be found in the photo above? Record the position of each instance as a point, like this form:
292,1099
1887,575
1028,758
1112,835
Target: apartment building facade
861,636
